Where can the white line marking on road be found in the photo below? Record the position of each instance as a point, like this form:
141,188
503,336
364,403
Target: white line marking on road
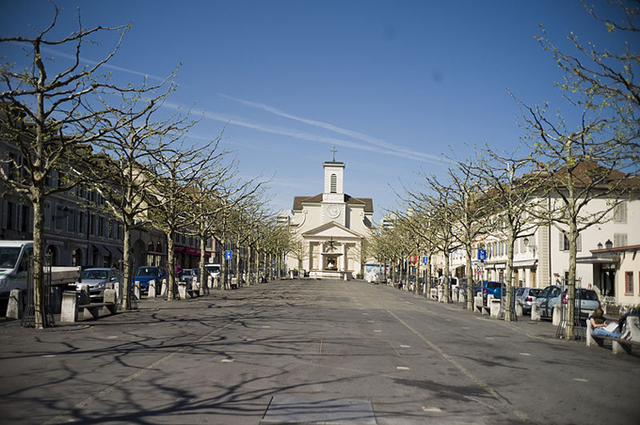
432,409
365,314
447,320
377,330
48,356
112,337
580,380
227,360
490,338
404,346
525,354
521,415
402,368
369,321
465,327
266,327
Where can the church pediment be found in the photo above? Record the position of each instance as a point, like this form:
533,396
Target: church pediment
332,229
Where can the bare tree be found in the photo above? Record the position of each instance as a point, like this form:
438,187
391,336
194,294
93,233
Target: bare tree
177,170
509,201
123,172
46,106
585,162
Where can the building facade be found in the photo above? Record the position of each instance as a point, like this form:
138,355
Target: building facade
330,229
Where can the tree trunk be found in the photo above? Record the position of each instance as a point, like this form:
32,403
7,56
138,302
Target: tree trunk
171,265
469,277
38,258
508,306
204,279
126,258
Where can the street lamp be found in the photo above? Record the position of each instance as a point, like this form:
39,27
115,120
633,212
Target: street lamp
608,244
599,245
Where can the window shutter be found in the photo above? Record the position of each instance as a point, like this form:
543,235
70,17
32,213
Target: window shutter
579,243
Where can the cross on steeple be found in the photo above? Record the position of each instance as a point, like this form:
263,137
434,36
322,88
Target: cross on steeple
334,153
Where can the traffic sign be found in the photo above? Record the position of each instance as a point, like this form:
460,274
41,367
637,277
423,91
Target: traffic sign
425,260
482,254
228,255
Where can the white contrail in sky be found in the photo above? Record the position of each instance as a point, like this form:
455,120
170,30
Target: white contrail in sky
356,135
104,65
303,135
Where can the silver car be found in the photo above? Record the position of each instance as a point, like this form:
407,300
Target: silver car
586,300
97,279
525,297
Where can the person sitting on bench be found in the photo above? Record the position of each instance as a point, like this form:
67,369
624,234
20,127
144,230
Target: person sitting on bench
599,324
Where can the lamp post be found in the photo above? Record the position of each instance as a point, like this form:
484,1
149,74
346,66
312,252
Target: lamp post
608,244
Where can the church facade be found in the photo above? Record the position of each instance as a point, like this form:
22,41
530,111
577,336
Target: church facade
330,229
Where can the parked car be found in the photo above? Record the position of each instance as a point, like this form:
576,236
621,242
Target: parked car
493,288
97,279
586,300
525,297
189,275
145,274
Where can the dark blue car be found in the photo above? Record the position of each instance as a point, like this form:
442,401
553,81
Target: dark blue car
145,274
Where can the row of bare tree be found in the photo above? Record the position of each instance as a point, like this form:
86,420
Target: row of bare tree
68,117
561,170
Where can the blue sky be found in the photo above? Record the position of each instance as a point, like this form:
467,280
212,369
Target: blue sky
393,84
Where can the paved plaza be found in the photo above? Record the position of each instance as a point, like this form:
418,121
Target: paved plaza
310,351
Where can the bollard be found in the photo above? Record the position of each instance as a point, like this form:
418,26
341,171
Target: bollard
519,311
535,312
182,290
478,303
110,297
496,306
136,289
69,311
14,305
164,288
557,315
152,288
434,294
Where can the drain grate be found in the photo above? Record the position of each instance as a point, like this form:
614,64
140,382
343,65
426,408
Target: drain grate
298,410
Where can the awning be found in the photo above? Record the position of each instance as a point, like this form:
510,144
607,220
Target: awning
114,251
598,259
102,250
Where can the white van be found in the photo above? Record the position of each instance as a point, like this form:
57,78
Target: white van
213,269
14,263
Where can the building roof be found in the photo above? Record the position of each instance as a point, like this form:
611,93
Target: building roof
299,201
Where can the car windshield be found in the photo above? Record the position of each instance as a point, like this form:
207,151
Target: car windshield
94,274
535,292
9,257
147,271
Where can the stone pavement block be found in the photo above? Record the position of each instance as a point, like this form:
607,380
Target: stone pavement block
296,410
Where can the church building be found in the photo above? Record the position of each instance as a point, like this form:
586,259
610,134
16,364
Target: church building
330,229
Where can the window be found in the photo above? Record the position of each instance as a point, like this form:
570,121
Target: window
620,213
9,215
628,283
47,215
564,242
71,225
334,183
59,217
619,239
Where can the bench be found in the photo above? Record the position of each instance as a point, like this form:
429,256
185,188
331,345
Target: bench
71,307
478,303
617,344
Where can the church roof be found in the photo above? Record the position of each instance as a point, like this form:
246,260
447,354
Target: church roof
367,203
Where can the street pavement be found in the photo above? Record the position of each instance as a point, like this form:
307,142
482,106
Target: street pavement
307,351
